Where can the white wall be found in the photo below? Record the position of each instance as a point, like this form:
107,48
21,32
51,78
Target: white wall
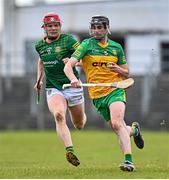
140,53
143,53
124,15
140,15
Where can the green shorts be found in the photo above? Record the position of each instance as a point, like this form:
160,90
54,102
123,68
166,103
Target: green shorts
102,104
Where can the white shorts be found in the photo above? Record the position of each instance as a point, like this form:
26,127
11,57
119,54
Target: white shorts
74,96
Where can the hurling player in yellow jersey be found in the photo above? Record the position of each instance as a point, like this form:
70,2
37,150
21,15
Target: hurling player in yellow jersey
53,51
103,61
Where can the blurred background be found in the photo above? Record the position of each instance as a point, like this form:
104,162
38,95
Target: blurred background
140,26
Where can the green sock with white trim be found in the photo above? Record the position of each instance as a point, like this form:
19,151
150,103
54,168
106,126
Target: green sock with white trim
69,149
128,157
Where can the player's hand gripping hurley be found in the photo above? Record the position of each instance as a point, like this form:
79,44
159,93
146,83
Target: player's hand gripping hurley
121,84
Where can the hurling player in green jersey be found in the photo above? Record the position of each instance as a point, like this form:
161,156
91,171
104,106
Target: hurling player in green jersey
54,50
103,61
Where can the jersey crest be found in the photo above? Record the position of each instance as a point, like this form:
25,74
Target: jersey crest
114,52
58,49
49,50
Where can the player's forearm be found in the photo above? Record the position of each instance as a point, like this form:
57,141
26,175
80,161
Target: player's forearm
124,72
40,71
68,69
120,69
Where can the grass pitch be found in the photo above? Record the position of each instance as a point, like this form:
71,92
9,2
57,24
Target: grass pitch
41,155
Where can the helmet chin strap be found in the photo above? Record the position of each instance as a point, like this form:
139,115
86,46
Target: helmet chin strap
52,38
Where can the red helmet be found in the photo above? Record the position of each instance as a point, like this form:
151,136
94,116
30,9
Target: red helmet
51,17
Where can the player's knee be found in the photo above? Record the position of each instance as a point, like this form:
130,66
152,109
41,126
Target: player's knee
59,116
115,125
80,125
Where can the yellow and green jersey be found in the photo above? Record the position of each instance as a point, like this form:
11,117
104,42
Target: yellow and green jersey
95,57
52,56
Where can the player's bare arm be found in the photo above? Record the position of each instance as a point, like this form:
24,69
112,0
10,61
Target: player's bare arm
79,63
40,75
121,69
68,69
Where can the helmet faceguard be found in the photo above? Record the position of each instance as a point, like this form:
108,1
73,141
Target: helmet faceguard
99,20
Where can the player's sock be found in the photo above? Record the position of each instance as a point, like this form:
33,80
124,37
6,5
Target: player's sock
69,149
128,157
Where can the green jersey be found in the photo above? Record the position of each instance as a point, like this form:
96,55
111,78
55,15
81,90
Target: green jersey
52,55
